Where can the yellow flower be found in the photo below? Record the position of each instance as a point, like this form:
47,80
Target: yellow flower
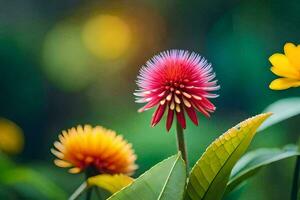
11,137
287,66
97,148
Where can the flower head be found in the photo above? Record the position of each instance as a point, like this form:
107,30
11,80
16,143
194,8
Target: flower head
287,66
179,82
99,148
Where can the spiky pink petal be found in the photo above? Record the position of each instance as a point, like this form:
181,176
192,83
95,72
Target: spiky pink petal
176,81
192,114
181,118
169,119
158,114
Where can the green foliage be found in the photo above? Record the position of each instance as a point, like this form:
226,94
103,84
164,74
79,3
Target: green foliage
28,182
209,176
34,184
5,162
164,181
282,110
253,161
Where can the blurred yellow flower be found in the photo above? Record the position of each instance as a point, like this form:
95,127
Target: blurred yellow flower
11,137
98,148
107,36
287,66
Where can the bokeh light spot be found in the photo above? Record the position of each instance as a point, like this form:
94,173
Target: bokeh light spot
66,62
106,36
12,139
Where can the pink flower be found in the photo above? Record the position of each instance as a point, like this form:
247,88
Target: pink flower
179,82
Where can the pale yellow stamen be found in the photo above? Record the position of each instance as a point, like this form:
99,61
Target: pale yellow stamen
177,108
172,106
187,95
186,102
197,97
162,102
169,97
177,100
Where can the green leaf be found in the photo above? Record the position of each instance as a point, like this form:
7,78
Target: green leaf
5,162
31,182
209,176
253,161
164,181
282,110
111,183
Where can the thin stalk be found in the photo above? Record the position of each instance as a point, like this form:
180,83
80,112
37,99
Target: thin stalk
89,172
89,193
99,194
78,192
181,144
295,185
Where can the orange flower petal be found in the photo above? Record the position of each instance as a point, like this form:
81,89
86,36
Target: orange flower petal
98,147
57,153
74,170
284,83
61,163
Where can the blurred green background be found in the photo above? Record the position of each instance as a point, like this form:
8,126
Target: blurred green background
64,63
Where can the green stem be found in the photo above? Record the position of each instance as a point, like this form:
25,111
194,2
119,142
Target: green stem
89,172
295,185
89,193
181,144
98,194
79,191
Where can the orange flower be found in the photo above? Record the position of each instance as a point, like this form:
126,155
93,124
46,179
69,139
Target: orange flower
99,148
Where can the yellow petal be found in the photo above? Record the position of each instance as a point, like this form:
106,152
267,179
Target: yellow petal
289,47
287,72
284,83
293,53
280,60
283,67
111,183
